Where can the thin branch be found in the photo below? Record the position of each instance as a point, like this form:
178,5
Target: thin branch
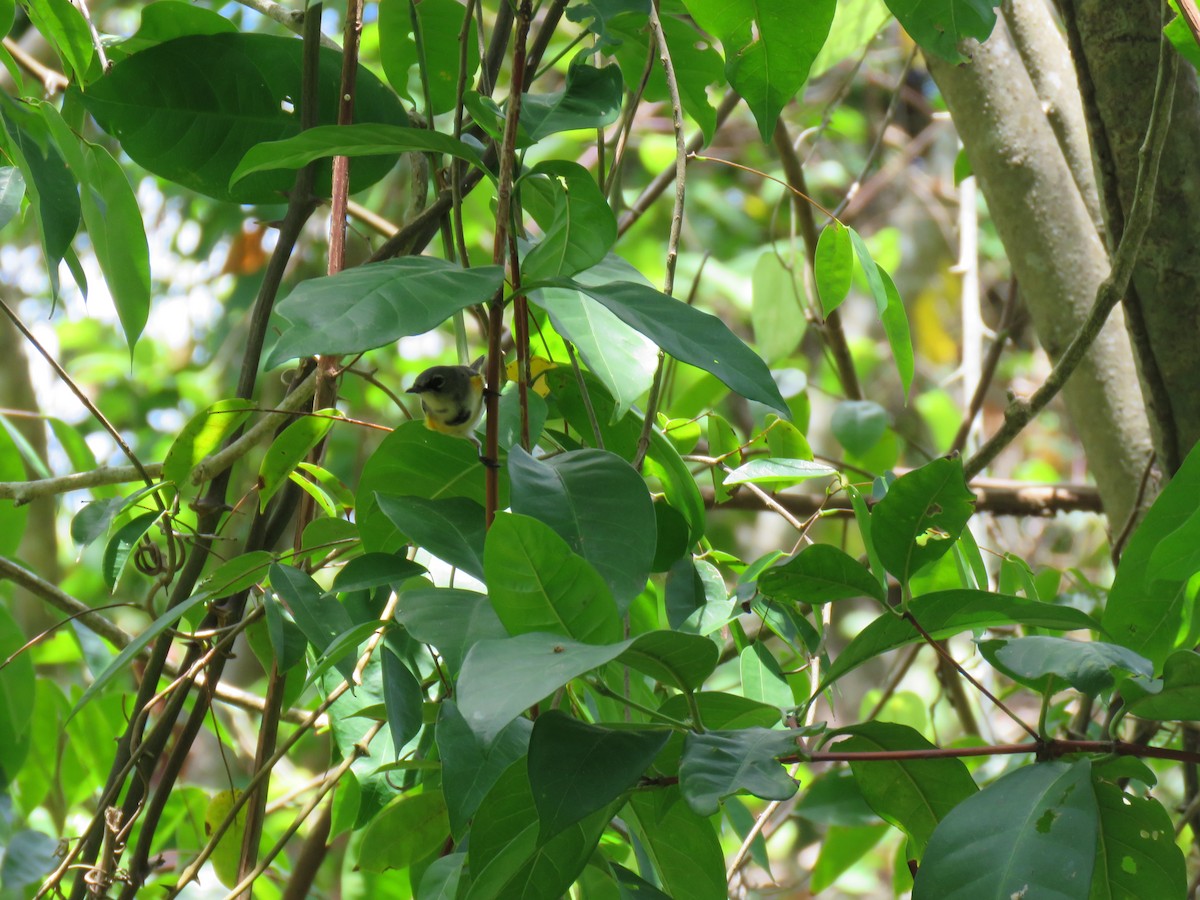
681,153
1021,412
53,80
291,19
97,44
988,369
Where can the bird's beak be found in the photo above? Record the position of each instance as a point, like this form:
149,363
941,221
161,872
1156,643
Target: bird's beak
412,390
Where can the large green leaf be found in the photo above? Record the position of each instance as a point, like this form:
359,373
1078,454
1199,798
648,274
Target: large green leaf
621,357
946,613
1137,857
576,769
1145,610
590,99
777,305
912,794
421,819
939,25
373,305
122,544
469,767
769,47
689,335
288,450
450,619
536,583
1051,664
1031,833
682,846
582,229
349,140
716,764
166,20
921,516
833,266
599,505
508,858
66,30
415,461
452,529
189,109
535,665
820,573
440,23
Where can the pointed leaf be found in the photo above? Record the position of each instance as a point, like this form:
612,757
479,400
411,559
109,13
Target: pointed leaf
451,529
536,583
470,768
450,619
582,230
921,516
820,573
373,305
576,768
833,266
1050,664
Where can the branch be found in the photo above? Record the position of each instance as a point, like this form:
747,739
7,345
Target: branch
1113,288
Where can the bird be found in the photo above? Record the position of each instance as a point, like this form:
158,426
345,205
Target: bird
452,400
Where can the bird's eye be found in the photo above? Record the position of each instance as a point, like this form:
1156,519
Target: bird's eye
436,382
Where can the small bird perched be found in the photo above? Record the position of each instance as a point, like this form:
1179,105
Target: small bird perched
452,399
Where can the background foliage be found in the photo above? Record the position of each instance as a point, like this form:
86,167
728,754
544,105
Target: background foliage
749,604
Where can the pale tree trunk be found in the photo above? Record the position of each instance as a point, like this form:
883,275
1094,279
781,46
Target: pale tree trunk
1026,150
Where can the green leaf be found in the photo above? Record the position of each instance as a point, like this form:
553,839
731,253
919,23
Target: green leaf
689,335
940,25
777,305
52,188
599,505
202,435
870,270
536,665
417,462
947,613
440,22
289,449
620,357
450,619
136,646
762,678
820,573
166,20
582,230
470,768
121,546
13,518
12,192
66,31
833,266
373,570
1033,832
716,764
841,847
237,574
17,688
1182,39
1178,696
912,794
858,425
895,326
680,660
1177,557
404,699
769,48
779,473
319,615
576,769
373,305
1050,664
189,109
921,516
682,846
536,583
88,524
591,99
421,819
507,857
114,225
288,642
695,597
451,529
1137,857
356,141
1145,612
723,444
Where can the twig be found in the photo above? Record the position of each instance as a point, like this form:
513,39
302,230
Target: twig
291,19
97,44
681,152
988,369
53,80
1113,288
